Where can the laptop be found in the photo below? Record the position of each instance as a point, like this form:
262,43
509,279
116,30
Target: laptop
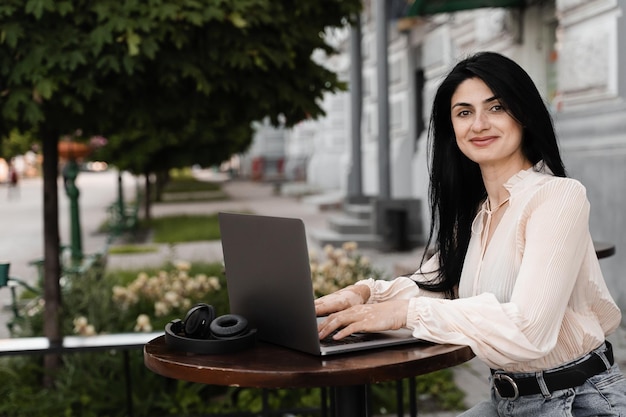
269,283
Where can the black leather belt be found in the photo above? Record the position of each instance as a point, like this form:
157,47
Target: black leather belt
510,387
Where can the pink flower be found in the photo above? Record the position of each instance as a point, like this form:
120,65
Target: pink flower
97,142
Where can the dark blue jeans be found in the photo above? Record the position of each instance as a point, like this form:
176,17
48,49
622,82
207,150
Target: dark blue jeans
601,395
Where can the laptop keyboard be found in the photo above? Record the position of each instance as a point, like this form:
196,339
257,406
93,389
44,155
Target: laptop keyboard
353,338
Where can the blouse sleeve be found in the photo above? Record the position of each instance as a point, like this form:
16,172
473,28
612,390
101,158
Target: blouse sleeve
553,235
404,287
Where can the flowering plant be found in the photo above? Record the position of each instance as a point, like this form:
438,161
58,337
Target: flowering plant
337,268
163,295
169,293
94,142
74,146
97,142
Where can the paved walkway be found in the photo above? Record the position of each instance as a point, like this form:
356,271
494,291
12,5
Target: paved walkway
21,219
24,225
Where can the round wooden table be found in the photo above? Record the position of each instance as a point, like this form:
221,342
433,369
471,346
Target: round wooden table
270,366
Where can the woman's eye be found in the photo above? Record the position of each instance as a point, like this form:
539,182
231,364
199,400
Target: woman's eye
497,107
463,113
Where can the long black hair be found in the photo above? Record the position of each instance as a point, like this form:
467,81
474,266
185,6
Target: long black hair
456,185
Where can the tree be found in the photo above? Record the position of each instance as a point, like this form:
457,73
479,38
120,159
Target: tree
247,68
156,75
16,144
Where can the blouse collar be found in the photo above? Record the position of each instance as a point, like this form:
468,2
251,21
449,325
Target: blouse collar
515,184
519,181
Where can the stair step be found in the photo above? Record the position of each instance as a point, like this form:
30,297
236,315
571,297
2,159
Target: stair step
359,211
326,202
349,225
330,237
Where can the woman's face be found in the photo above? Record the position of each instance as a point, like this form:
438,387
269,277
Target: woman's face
484,131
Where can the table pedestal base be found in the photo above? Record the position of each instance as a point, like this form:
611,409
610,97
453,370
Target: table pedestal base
351,401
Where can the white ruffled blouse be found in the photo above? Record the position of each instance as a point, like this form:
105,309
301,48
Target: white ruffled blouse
534,297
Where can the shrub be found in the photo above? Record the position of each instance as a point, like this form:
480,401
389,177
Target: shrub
337,268
127,301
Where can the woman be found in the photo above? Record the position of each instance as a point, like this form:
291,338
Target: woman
515,276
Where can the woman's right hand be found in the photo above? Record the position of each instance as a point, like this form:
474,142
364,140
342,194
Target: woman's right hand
342,299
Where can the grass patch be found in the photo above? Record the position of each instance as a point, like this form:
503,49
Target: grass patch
132,249
187,184
185,228
182,188
184,197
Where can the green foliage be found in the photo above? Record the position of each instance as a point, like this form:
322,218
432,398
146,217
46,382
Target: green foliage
169,82
185,185
182,186
83,386
185,228
16,144
435,391
90,384
132,249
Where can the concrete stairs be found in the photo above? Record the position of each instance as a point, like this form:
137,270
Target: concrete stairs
353,224
382,225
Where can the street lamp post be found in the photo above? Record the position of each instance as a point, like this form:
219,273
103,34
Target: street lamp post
71,151
70,173
120,198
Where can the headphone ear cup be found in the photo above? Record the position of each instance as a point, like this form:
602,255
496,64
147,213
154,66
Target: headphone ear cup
229,326
198,320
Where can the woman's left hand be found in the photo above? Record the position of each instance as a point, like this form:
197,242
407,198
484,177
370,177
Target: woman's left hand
388,315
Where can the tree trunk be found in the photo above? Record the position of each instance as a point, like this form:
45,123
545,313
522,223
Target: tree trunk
162,178
146,198
52,265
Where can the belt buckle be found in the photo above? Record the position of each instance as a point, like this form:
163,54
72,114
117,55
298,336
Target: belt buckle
498,377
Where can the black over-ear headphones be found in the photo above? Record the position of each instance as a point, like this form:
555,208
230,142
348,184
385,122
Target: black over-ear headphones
202,332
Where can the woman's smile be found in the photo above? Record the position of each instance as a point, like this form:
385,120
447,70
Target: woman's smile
483,141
